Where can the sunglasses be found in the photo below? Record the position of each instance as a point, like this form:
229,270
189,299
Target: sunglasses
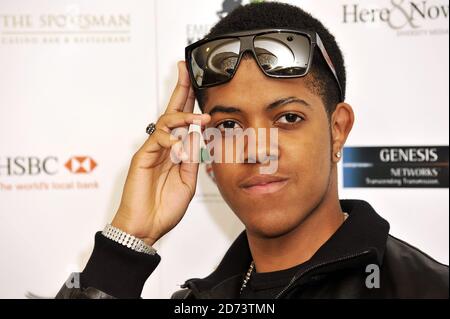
280,53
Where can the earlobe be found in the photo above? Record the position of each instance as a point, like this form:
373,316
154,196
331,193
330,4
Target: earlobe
341,125
337,156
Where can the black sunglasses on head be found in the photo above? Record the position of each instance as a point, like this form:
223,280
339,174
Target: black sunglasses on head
280,53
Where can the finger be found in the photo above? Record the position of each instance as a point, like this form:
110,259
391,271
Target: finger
187,149
191,147
180,119
177,153
190,102
157,141
181,92
190,164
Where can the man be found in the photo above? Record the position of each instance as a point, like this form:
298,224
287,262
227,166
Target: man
264,66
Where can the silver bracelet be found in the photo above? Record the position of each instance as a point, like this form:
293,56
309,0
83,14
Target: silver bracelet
127,240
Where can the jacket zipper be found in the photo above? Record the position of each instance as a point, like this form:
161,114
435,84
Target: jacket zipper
295,278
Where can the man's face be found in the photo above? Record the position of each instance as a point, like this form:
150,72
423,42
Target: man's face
304,149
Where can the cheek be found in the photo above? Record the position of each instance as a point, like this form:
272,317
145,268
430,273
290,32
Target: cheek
226,150
309,153
223,174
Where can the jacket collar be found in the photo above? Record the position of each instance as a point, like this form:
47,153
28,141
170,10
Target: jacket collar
363,232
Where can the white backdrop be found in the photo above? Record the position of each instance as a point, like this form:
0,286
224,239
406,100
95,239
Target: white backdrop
80,80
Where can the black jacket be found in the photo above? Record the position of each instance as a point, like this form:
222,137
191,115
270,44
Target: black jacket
344,267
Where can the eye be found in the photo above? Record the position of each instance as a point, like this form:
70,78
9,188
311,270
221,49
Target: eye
290,118
228,124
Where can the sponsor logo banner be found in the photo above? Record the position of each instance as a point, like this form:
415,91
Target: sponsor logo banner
396,166
71,26
47,173
406,17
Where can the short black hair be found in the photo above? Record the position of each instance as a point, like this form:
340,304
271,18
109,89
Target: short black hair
265,15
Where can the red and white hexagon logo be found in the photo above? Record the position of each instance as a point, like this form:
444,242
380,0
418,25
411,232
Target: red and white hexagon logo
80,164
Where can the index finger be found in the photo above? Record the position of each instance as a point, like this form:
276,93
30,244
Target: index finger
181,93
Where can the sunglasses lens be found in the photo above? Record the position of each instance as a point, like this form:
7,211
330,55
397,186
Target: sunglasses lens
283,54
214,62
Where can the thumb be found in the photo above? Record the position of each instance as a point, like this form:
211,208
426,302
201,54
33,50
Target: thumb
189,166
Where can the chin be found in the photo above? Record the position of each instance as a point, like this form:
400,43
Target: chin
272,225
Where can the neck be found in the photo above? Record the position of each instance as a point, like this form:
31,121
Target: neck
300,244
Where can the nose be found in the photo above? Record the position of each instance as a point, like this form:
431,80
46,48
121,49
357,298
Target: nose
261,146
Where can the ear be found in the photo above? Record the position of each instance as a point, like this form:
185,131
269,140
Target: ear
341,124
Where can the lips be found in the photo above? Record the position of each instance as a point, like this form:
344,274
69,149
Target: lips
263,184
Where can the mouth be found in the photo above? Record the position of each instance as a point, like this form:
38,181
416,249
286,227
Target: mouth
263,184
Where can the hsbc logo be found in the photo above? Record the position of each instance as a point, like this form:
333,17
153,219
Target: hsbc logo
44,166
80,165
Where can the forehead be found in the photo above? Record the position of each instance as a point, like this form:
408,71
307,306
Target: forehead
251,86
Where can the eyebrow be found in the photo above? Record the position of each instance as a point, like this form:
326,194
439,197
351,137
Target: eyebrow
287,100
271,106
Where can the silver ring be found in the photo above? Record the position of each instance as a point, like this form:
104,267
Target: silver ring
151,128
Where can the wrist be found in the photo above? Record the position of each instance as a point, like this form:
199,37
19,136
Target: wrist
129,232
132,229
